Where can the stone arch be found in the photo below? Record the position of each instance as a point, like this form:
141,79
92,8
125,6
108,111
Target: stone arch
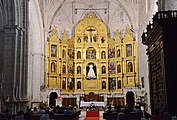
52,99
130,99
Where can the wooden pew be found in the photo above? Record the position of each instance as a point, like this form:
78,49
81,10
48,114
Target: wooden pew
73,116
129,115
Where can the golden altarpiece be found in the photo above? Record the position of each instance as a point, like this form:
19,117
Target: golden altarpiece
91,61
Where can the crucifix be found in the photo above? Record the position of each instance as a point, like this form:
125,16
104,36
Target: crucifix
90,30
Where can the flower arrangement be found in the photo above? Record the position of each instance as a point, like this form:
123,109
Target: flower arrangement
92,107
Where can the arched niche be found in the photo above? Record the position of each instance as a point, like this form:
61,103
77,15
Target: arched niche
130,99
52,99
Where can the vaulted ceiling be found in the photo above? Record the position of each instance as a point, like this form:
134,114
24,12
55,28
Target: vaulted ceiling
117,14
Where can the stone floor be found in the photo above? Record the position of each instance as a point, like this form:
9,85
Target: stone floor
83,114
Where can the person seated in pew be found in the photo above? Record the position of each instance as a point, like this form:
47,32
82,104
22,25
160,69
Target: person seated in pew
109,109
68,111
122,116
45,115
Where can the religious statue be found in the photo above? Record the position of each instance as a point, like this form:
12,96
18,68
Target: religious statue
52,67
91,74
112,68
119,68
103,55
119,84
103,70
86,38
78,55
70,84
129,50
63,84
63,54
95,38
70,53
79,70
91,53
112,53
53,50
78,85
112,84
79,40
70,68
118,53
103,85
64,69
130,67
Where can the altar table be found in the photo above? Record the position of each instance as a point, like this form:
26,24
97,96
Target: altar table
87,104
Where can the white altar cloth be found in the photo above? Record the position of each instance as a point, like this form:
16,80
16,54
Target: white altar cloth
87,104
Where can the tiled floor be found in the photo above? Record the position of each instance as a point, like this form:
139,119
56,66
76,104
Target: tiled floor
83,114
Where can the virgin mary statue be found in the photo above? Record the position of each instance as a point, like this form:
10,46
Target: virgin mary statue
91,73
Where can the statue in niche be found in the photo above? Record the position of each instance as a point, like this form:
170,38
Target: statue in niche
103,55
70,68
79,70
53,50
112,68
119,84
64,69
130,67
78,55
112,83
63,85
91,71
79,40
91,53
63,54
119,68
129,50
70,84
112,53
95,38
78,85
53,67
103,70
70,53
86,38
103,85
118,53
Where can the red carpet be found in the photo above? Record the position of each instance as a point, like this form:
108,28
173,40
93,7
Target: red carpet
92,115
92,118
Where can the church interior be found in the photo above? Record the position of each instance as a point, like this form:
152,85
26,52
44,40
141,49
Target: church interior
85,52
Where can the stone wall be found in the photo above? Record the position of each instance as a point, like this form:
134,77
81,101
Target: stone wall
170,5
